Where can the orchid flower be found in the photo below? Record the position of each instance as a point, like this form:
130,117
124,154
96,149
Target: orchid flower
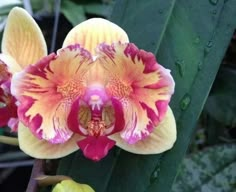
15,57
95,92
8,109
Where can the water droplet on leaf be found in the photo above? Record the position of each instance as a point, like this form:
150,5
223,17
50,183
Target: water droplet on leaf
155,173
200,65
181,66
208,47
186,100
214,12
197,40
213,2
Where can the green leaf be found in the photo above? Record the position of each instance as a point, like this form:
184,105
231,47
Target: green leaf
188,37
98,9
210,170
73,12
221,104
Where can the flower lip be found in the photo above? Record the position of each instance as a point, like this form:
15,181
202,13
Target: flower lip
96,148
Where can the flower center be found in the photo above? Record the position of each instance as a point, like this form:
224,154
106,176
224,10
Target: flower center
96,127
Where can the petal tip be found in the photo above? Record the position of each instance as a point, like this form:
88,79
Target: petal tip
92,32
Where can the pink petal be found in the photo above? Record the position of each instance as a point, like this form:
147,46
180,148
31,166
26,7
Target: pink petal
142,86
9,108
47,89
96,148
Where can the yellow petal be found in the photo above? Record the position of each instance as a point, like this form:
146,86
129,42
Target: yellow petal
71,186
11,63
42,149
94,31
22,38
161,139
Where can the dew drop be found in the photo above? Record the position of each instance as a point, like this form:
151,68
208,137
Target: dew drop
200,65
160,11
181,66
208,47
197,40
209,44
155,173
213,2
214,12
186,100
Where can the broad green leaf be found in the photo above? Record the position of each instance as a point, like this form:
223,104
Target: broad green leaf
73,12
98,9
188,37
221,104
212,169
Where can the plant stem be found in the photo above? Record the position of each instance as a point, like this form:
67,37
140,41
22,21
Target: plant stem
11,156
9,140
45,180
16,164
55,27
27,6
38,169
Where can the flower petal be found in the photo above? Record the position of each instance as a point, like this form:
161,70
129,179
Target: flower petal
71,186
10,62
95,148
94,31
5,116
42,149
22,38
47,89
8,108
142,86
161,139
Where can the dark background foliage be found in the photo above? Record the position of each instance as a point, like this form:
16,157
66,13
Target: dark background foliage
211,156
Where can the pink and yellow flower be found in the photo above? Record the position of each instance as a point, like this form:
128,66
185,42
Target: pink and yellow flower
97,91
8,108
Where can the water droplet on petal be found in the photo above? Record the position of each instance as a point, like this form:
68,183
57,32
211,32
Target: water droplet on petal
213,2
181,66
186,100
